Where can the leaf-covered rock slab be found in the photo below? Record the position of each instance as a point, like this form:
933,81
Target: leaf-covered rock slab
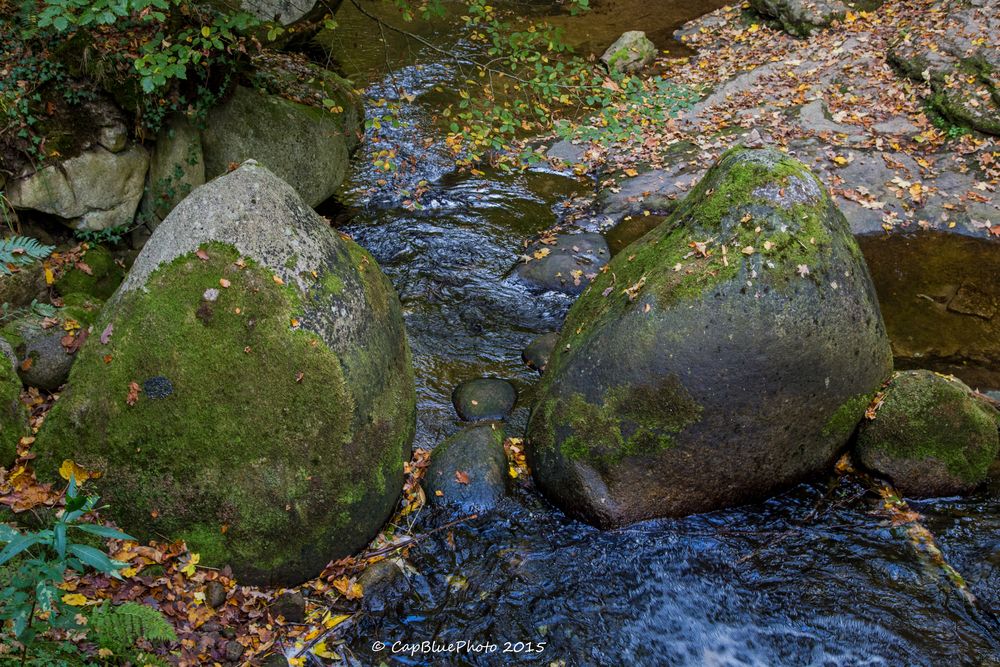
726,354
248,389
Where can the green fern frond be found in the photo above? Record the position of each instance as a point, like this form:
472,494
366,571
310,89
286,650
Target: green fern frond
150,660
118,628
21,251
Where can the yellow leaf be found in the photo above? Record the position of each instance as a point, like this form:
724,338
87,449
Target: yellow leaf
75,599
49,278
69,468
320,650
841,160
631,172
331,621
205,31
277,279
349,588
189,568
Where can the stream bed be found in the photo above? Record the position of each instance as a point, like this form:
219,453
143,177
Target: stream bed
815,576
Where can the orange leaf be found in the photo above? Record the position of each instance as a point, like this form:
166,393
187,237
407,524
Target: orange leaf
133,393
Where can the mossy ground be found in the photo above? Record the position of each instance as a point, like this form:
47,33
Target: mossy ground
926,416
847,417
252,457
102,281
13,418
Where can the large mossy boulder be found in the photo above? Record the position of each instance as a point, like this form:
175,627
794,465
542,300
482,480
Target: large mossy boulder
248,389
300,121
931,437
726,354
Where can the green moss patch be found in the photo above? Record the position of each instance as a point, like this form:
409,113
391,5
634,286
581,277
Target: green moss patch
927,417
13,416
241,439
629,422
846,418
97,275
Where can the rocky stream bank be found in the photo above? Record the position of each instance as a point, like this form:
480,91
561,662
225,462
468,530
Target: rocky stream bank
739,286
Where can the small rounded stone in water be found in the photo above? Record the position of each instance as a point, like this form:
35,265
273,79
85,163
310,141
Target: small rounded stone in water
157,387
539,350
483,399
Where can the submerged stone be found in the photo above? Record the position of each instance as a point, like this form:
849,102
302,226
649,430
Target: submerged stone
566,264
484,399
469,469
268,428
725,355
931,437
539,351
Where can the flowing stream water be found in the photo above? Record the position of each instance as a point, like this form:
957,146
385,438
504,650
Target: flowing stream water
814,576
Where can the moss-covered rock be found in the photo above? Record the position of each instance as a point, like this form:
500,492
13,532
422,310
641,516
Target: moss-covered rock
630,53
725,354
303,126
270,416
801,18
19,289
931,437
43,361
13,415
176,167
96,275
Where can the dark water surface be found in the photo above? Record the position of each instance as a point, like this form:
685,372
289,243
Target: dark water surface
813,577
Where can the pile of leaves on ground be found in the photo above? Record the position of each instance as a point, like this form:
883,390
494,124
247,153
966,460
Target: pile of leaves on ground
214,618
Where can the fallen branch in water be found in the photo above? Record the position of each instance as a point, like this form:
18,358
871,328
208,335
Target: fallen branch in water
900,514
413,539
